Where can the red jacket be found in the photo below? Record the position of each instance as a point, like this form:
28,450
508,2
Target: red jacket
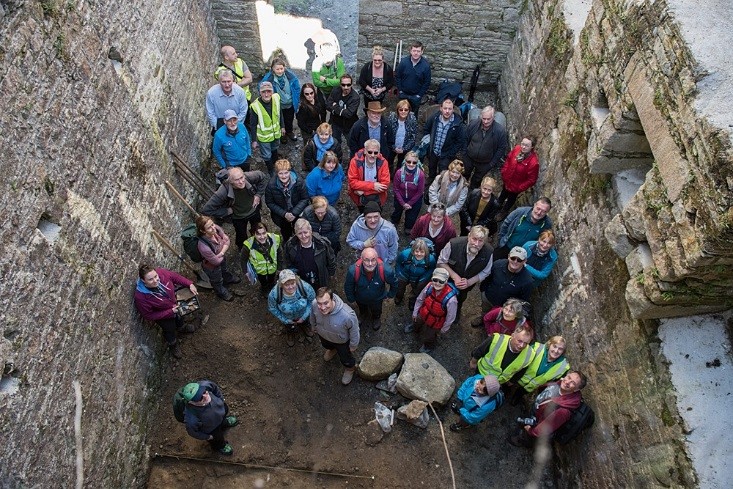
156,306
555,412
421,229
356,178
518,176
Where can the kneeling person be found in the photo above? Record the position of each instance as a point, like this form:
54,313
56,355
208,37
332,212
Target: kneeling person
435,310
479,396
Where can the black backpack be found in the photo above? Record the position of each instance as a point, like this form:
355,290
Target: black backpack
191,239
582,418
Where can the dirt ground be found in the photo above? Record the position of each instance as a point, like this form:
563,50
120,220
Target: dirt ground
299,427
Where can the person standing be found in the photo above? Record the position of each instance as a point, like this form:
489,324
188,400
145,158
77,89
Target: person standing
338,329
327,179
376,78
318,145
408,185
368,176
368,282
414,267
223,96
404,127
325,221
311,111
265,125
413,77
480,208
238,197
372,126
155,300
343,104
232,62
232,146
479,396
486,146
287,86
213,245
371,230
310,255
447,138
519,173
290,302
286,197
436,226
206,415
522,225
435,310
264,252
328,68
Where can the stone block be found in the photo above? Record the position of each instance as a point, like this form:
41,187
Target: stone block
424,379
617,237
379,363
633,216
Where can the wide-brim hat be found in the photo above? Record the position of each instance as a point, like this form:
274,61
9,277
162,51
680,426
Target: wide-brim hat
375,106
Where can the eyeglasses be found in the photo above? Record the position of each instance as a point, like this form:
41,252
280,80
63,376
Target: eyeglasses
346,84
516,258
438,281
404,109
373,152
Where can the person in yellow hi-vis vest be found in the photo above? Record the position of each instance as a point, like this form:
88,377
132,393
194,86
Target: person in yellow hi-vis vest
549,364
265,126
503,356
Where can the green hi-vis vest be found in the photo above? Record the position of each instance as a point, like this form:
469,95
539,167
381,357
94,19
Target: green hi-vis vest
490,364
268,128
264,265
531,381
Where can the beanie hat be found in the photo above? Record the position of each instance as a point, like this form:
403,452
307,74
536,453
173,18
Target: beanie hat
372,206
492,385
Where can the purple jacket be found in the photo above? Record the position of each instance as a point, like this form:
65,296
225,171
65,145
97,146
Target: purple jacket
408,192
154,305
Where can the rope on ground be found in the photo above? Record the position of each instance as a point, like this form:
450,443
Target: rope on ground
445,445
258,466
77,436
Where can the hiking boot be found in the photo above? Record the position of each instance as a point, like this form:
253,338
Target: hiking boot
348,376
232,279
225,295
477,322
376,324
454,407
226,449
175,350
308,336
290,338
329,354
409,328
231,421
292,136
456,427
187,328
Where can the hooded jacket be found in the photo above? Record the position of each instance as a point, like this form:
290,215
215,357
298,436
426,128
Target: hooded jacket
385,235
155,305
321,182
555,412
202,420
279,204
340,326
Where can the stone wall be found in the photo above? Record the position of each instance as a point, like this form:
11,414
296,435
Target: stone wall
458,35
613,104
84,147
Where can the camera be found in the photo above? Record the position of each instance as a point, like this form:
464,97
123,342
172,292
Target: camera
531,421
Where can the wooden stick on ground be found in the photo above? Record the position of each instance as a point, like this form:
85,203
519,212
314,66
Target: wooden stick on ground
173,189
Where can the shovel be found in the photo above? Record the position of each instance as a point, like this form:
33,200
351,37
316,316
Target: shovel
201,279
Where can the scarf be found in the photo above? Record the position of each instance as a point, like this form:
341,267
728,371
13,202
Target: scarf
321,148
537,251
280,81
413,173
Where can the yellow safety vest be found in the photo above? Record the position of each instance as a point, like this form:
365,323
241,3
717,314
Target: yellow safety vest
238,68
261,264
490,364
531,381
268,128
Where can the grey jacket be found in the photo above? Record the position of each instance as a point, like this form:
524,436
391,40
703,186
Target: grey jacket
341,326
219,204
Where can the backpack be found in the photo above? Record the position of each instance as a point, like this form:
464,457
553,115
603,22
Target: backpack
380,269
191,239
582,418
453,292
179,405
301,289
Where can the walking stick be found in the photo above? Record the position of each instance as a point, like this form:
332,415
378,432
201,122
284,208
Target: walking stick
191,176
200,280
173,189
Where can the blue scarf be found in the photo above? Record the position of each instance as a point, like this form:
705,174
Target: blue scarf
414,173
321,148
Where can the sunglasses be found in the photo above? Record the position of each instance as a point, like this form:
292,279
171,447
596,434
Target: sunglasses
308,93
373,152
438,281
404,109
515,258
410,162
346,84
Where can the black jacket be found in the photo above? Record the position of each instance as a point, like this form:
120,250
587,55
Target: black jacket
279,205
360,134
486,218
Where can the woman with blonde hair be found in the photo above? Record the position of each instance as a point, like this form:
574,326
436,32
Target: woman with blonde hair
376,77
549,364
450,188
541,256
315,148
324,220
404,126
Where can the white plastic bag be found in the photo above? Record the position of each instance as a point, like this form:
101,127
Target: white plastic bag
384,415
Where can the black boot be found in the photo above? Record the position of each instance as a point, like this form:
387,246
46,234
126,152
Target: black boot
222,292
175,350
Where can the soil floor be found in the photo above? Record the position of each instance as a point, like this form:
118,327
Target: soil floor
299,427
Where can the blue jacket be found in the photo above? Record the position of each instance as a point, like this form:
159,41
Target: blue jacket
517,216
455,140
292,81
412,270
539,266
290,309
413,80
202,420
471,412
231,149
320,182
369,291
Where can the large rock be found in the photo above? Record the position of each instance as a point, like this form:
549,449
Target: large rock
378,363
423,378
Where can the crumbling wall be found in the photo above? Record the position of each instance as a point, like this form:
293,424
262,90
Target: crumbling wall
457,35
612,103
84,147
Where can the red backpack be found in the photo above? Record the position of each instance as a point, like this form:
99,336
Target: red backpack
380,269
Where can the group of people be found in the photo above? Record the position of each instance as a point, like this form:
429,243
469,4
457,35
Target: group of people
295,267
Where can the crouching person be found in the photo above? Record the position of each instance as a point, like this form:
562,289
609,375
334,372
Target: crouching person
552,408
478,397
337,327
206,415
290,302
435,310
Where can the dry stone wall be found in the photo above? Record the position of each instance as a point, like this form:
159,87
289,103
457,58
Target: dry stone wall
458,35
84,147
619,97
